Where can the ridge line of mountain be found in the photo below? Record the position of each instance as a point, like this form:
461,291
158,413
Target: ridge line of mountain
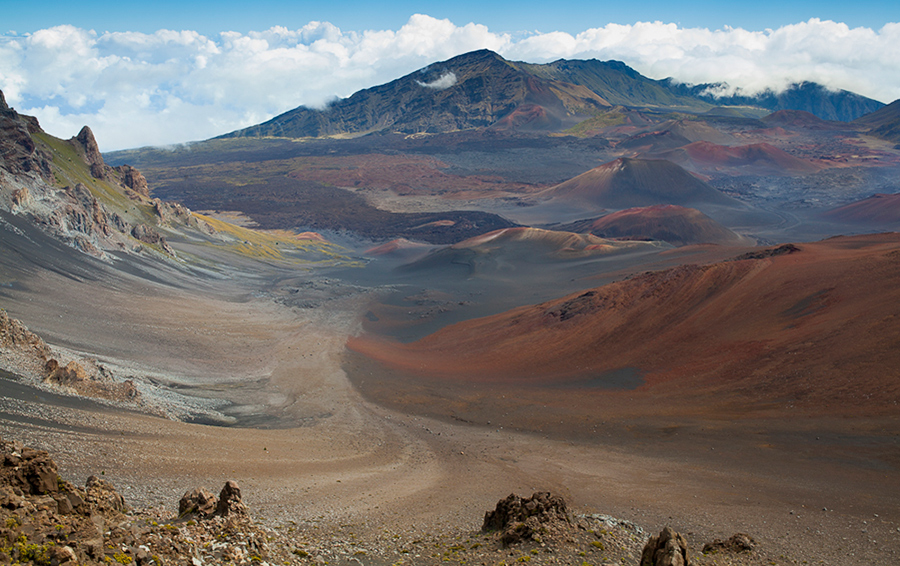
481,89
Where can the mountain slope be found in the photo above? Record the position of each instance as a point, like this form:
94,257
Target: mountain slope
877,210
676,225
841,105
65,189
628,183
814,325
616,82
481,89
884,122
508,249
758,159
469,91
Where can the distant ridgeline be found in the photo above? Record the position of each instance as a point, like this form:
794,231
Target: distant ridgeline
481,89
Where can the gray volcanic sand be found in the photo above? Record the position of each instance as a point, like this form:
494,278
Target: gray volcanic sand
332,458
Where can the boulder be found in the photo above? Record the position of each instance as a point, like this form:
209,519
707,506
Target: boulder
28,472
148,235
197,501
520,519
101,495
667,549
230,501
134,180
738,542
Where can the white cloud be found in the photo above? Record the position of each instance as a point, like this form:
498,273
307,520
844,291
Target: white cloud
445,81
172,86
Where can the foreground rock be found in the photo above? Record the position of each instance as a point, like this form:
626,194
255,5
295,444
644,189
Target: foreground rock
738,542
25,353
667,549
45,520
518,519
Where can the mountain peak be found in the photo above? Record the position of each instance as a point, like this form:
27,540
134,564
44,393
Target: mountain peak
473,90
91,150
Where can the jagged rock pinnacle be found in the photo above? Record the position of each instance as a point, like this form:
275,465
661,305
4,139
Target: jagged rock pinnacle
91,150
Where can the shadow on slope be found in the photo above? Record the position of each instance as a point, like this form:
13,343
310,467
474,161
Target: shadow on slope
811,328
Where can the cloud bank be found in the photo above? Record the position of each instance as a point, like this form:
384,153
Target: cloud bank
137,89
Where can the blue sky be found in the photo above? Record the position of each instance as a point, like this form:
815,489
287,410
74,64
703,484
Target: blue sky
209,17
167,72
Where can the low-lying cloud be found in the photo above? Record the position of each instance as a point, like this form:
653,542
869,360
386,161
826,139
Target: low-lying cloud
137,89
445,81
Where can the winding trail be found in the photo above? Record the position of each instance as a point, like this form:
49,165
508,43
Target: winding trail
336,459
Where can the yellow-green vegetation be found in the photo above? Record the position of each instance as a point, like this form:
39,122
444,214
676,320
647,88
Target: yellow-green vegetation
592,125
70,168
38,554
277,245
122,558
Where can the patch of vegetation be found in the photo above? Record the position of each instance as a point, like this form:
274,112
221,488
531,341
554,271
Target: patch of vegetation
592,125
274,245
70,169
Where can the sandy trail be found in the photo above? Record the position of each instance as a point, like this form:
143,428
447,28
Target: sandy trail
345,461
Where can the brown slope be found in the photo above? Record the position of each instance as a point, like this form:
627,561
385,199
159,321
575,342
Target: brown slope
535,240
799,119
877,210
816,326
757,159
884,122
675,133
628,183
676,225
502,249
472,90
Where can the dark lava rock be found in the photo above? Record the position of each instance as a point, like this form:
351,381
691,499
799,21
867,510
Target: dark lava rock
520,519
738,542
230,500
198,501
769,252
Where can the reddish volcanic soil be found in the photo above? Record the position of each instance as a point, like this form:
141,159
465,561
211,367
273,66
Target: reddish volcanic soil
404,174
628,183
800,119
879,210
670,223
761,158
812,329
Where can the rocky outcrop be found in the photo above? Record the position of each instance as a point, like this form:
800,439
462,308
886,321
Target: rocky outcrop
230,500
517,519
134,180
18,152
149,235
45,520
15,336
88,143
198,501
783,249
667,549
738,542
73,213
26,354
201,503
95,381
